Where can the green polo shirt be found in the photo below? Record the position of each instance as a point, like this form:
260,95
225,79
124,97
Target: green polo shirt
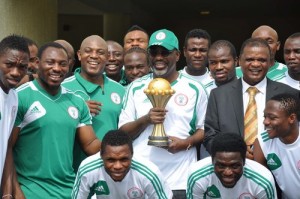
110,96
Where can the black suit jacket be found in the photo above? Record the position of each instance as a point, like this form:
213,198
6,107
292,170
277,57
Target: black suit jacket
225,112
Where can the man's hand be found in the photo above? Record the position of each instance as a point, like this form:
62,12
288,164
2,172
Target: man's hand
157,115
176,144
249,153
94,106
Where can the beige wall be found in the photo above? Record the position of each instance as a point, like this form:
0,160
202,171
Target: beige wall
36,19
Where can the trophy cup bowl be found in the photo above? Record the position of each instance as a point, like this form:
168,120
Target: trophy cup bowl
159,92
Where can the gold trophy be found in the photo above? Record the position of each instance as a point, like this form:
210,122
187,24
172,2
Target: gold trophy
159,92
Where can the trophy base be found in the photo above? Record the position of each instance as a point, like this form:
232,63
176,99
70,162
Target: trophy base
158,141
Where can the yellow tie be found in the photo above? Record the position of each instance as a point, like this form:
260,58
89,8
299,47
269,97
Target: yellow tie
250,119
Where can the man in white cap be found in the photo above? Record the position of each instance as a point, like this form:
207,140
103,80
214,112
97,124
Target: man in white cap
183,116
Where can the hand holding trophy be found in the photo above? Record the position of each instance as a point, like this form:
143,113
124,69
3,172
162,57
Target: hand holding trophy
159,92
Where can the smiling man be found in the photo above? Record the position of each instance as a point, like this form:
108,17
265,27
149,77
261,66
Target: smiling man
113,68
183,116
114,173
228,104
277,148
103,95
276,69
49,118
227,174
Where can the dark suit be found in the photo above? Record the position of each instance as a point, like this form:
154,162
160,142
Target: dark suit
225,112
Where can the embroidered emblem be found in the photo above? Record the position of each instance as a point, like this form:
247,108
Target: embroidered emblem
181,99
115,97
73,112
160,36
246,196
135,192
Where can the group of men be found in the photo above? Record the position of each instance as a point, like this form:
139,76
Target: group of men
59,118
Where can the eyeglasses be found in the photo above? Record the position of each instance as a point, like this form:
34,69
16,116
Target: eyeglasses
163,52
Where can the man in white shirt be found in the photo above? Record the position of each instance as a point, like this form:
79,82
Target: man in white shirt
196,45
183,117
116,174
228,174
291,54
277,147
14,59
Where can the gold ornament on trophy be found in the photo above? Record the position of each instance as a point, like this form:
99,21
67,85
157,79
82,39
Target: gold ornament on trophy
159,92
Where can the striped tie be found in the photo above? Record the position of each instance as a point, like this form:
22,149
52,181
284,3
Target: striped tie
250,119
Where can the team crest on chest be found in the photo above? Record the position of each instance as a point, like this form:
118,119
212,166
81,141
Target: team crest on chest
115,97
181,99
246,196
73,112
134,193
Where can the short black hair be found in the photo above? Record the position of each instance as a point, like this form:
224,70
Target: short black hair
228,142
197,33
136,27
116,138
224,43
255,42
48,45
14,42
136,49
289,103
295,35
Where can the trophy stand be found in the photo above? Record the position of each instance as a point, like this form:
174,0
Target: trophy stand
159,92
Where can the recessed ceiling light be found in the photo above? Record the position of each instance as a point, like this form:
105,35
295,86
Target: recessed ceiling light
204,12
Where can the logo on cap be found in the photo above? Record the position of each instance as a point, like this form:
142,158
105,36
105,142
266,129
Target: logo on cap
160,36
